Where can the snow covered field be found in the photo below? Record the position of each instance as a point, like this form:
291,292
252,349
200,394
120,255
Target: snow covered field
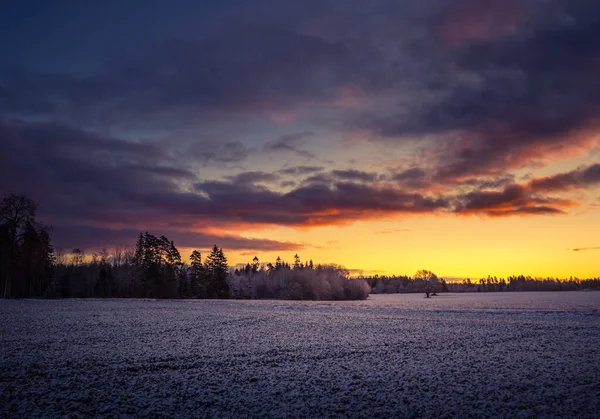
510,355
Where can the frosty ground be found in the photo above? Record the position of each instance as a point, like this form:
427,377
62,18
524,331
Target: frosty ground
509,354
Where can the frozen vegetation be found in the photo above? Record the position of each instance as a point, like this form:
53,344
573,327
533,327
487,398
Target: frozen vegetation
322,283
401,355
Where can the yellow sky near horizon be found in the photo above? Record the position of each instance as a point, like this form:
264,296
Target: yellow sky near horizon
450,246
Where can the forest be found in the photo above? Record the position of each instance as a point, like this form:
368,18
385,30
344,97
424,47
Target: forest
153,268
405,284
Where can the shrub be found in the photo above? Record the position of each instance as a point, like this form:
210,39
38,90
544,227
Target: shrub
324,283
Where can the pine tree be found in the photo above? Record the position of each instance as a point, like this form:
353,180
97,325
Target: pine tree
297,263
217,270
198,286
158,264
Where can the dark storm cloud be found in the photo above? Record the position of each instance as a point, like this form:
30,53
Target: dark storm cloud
482,87
317,203
79,181
513,97
577,179
410,174
415,177
77,174
253,68
500,198
511,201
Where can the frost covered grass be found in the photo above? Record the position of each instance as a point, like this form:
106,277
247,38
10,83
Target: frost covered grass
323,284
401,355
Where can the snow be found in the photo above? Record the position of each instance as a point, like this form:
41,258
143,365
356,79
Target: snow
455,355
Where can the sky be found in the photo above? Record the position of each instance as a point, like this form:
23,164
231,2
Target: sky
459,136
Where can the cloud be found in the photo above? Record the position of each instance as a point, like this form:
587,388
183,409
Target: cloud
464,21
301,170
393,231
514,96
95,238
81,178
355,175
577,179
527,198
410,174
243,67
585,249
463,92
290,143
206,152
348,175
253,177
312,204
512,200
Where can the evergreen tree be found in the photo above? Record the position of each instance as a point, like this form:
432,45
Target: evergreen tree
297,263
198,286
217,271
183,282
158,264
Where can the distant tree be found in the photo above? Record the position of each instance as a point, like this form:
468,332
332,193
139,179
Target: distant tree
255,264
297,263
157,263
431,281
104,284
77,257
197,273
444,285
183,281
217,271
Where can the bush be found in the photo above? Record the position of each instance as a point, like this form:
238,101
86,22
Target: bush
322,284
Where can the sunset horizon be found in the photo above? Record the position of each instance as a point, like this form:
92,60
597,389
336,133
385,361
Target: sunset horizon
456,136
300,208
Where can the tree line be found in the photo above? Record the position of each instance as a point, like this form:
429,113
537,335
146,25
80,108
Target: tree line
525,283
296,281
153,268
405,284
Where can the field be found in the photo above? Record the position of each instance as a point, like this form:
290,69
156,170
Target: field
455,355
